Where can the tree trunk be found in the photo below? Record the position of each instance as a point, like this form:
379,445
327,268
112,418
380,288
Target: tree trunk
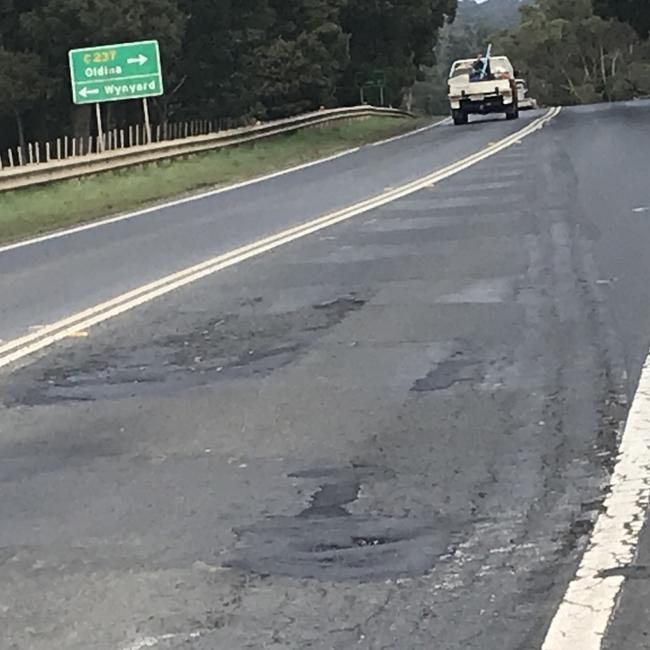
163,103
614,62
603,71
162,109
21,132
109,117
408,100
81,121
571,86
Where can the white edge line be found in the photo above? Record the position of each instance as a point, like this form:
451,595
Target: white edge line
153,641
18,348
590,602
428,127
176,202
197,197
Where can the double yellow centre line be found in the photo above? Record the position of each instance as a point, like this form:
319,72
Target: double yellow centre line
19,348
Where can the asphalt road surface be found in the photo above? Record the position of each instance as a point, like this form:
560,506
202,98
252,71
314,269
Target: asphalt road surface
98,264
396,432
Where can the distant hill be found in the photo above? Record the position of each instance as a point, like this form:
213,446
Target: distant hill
492,14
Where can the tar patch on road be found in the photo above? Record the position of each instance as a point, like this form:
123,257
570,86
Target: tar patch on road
234,345
465,365
447,374
631,572
328,542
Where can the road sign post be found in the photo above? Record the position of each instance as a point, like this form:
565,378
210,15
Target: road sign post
376,79
147,123
112,73
100,130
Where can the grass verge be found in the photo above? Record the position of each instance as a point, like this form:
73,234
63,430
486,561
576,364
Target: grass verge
32,211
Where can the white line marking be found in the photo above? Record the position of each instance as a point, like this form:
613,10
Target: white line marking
591,599
171,204
197,197
23,346
429,127
153,641
147,642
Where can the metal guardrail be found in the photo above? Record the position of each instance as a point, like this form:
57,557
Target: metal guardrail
16,177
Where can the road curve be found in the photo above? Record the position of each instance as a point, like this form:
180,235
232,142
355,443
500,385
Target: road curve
49,280
395,433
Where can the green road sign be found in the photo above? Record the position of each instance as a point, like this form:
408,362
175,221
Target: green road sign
112,73
375,79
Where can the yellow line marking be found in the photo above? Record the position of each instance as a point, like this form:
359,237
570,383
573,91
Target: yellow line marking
18,348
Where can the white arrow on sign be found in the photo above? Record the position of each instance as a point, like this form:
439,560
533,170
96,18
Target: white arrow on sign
141,59
84,92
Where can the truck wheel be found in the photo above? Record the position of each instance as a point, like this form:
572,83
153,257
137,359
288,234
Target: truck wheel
512,112
459,117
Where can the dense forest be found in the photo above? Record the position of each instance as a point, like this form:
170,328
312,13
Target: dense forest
581,51
243,60
223,59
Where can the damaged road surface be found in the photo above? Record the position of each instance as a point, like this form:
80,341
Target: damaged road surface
394,433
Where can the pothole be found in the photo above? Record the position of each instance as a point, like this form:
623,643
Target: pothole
350,547
447,374
327,542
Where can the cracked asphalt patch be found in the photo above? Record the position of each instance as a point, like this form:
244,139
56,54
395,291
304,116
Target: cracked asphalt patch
228,346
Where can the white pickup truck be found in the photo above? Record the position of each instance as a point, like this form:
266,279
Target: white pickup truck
494,92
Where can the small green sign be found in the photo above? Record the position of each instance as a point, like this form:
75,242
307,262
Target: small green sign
112,73
377,79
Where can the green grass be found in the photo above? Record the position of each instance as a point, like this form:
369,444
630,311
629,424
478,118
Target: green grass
31,211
